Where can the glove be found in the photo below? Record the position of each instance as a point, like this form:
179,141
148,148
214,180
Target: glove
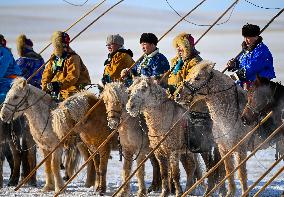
232,64
124,73
54,87
241,74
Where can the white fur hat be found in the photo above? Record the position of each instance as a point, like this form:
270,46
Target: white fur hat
115,39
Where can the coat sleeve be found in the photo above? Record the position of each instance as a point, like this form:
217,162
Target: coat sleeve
46,75
5,61
160,66
73,72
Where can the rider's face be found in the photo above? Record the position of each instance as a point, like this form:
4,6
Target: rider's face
113,47
250,40
148,48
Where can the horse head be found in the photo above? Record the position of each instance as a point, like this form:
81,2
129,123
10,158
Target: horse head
261,97
115,98
196,86
16,100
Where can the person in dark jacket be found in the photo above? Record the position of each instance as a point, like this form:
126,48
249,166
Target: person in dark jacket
255,59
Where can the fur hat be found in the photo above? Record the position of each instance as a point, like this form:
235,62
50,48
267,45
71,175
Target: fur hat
2,40
115,39
60,40
23,43
149,38
185,41
250,30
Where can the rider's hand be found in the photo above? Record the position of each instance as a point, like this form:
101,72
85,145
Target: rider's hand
232,64
53,86
124,73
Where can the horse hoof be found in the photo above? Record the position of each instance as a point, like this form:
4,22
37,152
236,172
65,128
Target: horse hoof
142,193
154,188
48,188
66,178
12,183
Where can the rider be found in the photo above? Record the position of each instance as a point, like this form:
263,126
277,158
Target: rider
153,63
118,58
65,74
8,69
29,61
255,59
186,58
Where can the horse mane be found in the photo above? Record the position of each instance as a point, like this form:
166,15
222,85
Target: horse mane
115,92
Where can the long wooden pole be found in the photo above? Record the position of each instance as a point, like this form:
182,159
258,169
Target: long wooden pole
270,180
247,158
228,154
278,14
262,176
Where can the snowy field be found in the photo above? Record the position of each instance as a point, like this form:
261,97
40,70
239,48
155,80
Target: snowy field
219,45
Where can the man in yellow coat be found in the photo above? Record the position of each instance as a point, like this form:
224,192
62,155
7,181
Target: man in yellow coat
65,74
118,58
186,58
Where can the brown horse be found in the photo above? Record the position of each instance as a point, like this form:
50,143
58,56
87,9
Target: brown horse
93,132
265,96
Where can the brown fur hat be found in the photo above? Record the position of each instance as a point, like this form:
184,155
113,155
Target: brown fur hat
60,40
185,41
22,43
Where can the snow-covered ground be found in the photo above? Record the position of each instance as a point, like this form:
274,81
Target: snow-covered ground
219,45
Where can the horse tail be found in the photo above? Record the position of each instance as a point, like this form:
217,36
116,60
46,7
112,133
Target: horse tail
72,159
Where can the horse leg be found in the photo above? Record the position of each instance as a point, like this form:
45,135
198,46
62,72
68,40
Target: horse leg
206,156
55,166
104,156
175,172
9,156
127,165
28,156
163,163
220,171
49,179
91,174
242,171
156,181
190,165
229,165
15,148
96,161
141,175
2,157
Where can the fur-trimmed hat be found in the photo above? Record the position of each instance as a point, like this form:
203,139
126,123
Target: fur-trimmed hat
250,30
23,43
149,38
2,40
60,40
185,41
115,39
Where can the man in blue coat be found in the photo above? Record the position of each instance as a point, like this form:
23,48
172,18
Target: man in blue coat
8,69
153,63
255,59
29,61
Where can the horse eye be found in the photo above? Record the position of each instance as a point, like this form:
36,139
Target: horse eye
15,97
197,78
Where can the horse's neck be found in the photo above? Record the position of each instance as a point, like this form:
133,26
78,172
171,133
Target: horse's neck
226,100
39,108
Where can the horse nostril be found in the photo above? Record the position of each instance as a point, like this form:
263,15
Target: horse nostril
3,117
244,120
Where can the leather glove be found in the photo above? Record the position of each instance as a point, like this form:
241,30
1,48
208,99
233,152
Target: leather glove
232,64
54,86
124,73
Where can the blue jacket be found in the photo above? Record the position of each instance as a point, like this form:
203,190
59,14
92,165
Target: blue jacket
29,64
258,61
154,64
8,68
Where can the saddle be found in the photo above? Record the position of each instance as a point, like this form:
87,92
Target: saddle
198,133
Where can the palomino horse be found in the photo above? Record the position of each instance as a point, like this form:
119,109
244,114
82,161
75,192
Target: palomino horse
265,96
225,101
132,134
26,99
93,132
160,112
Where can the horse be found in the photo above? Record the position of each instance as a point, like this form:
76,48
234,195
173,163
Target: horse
133,137
225,101
92,132
161,112
36,105
265,96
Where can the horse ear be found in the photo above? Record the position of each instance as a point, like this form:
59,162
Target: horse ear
23,83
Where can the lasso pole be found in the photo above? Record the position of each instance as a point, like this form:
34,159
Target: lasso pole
270,180
225,156
278,14
211,26
247,158
262,176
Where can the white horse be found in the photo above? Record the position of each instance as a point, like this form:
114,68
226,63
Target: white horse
225,101
161,113
26,99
